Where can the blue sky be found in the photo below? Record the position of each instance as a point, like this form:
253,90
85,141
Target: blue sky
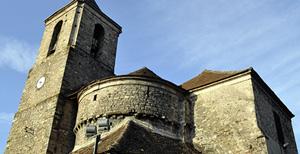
177,39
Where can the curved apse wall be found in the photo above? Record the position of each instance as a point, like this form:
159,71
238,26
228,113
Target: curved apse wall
151,98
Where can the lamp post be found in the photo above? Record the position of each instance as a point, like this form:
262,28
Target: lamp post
102,124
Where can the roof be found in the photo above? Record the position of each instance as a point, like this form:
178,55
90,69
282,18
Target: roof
91,3
134,138
209,76
145,72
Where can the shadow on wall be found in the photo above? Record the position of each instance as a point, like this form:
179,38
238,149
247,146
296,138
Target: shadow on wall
273,120
191,114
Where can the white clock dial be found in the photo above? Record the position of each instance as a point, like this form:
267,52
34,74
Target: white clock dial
40,82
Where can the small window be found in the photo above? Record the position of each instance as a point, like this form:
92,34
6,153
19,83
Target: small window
54,38
95,98
97,41
278,128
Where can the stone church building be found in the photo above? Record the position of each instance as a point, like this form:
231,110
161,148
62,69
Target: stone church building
74,103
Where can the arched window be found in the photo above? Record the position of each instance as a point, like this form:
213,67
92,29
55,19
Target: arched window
97,41
54,38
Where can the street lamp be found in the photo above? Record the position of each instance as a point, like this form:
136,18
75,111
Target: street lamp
102,124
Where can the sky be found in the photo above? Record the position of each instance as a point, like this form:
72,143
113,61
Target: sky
177,39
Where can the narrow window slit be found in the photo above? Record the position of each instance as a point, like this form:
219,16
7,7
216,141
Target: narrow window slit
95,98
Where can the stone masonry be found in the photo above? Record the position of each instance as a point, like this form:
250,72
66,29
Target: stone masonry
225,118
132,96
72,87
234,115
48,112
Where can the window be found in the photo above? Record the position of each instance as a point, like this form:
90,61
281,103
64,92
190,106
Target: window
95,98
97,41
278,128
54,38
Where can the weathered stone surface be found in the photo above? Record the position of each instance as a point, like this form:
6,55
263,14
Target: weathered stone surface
225,119
219,112
265,106
128,96
31,129
236,116
48,111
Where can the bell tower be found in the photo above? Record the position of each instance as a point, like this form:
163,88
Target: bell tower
78,46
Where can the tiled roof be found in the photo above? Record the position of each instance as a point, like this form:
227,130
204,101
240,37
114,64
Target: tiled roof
145,72
133,138
207,77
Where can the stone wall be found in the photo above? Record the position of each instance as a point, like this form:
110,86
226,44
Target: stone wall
225,118
107,54
67,17
82,67
32,125
130,96
66,70
51,67
31,129
265,106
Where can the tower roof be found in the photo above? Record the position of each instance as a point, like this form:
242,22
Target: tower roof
91,3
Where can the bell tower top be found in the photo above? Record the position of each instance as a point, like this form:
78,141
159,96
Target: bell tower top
91,3
82,29
81,25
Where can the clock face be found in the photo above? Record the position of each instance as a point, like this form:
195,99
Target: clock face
40,82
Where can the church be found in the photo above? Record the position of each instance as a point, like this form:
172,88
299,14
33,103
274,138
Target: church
73,102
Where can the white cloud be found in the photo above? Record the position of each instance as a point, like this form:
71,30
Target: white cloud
16,54
6,117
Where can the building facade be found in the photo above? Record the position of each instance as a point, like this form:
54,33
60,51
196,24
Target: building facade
74,103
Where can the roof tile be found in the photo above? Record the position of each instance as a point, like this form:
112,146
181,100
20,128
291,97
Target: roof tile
207,77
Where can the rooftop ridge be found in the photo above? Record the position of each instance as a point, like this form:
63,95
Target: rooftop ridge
221,71
210,76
